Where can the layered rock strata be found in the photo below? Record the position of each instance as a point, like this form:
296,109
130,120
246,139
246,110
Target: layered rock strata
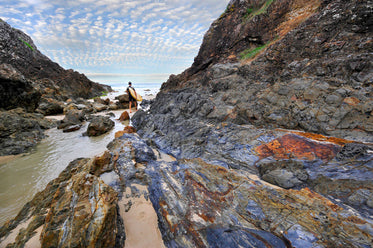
203,201
212,154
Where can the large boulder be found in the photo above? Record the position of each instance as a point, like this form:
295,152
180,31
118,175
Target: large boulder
123,101
50,106
99,125
72,118
124,116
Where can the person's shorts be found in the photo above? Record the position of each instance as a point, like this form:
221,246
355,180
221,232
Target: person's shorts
131,99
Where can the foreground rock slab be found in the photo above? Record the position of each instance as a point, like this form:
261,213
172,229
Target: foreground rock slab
199,202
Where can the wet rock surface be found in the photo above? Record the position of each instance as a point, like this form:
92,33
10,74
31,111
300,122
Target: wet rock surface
212,154
203,201
20,131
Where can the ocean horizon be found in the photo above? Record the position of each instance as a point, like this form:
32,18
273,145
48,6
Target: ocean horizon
142,88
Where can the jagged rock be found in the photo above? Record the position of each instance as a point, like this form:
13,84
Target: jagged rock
198,201
20,131
99,125
75,209
72,118
50,106
16,91
18,50
100,107
296,81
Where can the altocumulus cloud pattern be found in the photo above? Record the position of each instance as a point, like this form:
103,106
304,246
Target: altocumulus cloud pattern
109,39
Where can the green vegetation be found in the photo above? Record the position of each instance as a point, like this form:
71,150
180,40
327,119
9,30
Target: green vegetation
227,10
27,44
249,11
103,93
252,52
252,12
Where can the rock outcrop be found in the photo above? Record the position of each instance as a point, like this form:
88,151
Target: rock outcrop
292,64
18,50
214,200
19,130
31,81
212,153
16,91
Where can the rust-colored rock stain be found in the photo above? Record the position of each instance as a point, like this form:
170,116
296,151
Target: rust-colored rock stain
295,146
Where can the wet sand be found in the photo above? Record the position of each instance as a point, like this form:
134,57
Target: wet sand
140,220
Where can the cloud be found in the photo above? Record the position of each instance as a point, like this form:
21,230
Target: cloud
130,37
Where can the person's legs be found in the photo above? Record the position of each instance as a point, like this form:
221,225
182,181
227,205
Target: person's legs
130,106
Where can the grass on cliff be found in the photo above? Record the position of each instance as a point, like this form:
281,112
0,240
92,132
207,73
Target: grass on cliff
252,12
252,52
103,93
27,44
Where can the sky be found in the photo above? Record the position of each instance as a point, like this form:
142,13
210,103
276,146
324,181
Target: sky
116,41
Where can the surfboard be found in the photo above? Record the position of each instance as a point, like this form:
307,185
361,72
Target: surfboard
135,95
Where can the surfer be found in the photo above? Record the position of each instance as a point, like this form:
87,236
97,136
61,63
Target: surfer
130,94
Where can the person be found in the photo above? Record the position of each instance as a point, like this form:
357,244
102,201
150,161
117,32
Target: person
131,98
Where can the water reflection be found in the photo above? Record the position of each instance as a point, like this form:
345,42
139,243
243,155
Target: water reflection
22,177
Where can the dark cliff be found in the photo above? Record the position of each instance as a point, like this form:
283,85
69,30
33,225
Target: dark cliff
293,64
18,52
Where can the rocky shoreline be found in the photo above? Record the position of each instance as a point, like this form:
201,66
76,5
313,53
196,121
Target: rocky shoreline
271,151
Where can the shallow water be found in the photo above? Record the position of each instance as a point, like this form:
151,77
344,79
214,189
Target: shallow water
24,176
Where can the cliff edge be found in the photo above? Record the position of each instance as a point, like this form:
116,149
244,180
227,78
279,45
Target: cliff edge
19,55
296,64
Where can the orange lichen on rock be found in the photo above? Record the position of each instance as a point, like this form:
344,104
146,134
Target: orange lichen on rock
127,129
301,11
353,101
319,137
294,146
124,116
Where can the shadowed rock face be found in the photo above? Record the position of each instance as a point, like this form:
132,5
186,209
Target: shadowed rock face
16,91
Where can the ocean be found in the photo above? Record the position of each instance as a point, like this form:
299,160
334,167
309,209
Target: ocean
144,89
